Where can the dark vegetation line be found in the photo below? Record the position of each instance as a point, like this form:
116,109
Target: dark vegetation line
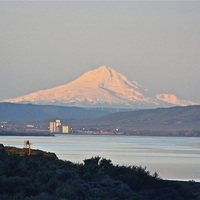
43,176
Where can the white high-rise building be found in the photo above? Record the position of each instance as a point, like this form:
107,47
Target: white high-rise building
58,123
52,127
65,129
57,127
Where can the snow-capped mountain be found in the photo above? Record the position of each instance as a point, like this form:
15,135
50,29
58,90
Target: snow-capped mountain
103,87
172,99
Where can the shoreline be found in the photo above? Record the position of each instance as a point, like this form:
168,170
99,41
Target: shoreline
27,134
93,134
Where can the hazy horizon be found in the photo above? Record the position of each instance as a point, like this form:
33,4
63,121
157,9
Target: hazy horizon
45,44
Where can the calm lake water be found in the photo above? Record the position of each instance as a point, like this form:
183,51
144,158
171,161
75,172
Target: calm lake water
176,158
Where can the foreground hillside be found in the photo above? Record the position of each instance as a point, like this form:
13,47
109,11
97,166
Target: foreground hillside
42,176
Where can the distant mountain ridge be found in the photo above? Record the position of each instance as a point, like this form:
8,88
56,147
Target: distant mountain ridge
103,87
179,118
17,112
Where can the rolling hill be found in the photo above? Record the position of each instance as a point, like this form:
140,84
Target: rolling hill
179,118
17,112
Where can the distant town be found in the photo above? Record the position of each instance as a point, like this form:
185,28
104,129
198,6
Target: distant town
52,127
48,128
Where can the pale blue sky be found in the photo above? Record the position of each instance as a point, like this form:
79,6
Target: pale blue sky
44,44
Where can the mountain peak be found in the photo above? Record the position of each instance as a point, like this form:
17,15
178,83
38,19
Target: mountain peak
107,78
104,67
101,72
105,70
102,87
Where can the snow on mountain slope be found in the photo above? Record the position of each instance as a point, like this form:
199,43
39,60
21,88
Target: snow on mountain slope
172,99
102,87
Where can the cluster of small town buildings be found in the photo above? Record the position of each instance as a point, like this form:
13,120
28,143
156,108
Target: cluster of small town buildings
54,126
